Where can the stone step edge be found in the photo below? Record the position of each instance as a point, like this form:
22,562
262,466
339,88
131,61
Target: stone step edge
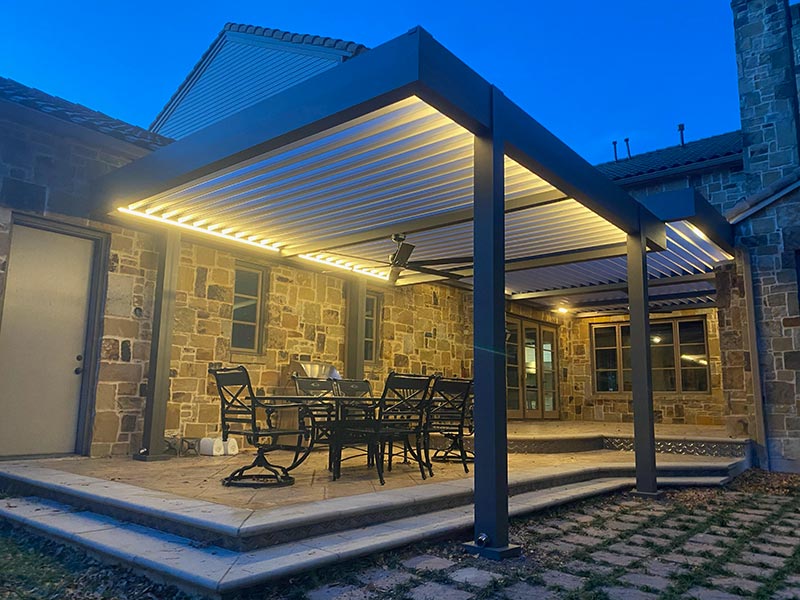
218,572
248,529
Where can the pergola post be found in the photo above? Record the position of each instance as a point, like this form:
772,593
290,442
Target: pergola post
491,458
155,410
643,422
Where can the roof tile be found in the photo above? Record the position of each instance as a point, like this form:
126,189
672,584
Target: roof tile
692,153
13,91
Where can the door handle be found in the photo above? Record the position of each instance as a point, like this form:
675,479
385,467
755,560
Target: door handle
78,370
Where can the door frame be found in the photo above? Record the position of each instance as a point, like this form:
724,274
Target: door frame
98,284
541,414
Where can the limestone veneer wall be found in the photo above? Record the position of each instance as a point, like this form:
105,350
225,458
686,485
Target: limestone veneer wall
581,402
772,238
48,174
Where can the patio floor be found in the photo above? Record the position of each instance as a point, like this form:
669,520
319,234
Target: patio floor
199,477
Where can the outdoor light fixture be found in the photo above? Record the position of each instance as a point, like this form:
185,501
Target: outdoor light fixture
656,339
562,309
239,238
398,260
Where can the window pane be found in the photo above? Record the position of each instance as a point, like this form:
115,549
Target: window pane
370,307
664,380
663,357
605,337
607,381
245,309
247,282
369,350
627,380
369,329
661,334
626,358
512,377
605,359
625,334
693,355
243,336
512,399
694,380
691,332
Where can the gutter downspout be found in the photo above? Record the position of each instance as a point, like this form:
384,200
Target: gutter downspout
762,447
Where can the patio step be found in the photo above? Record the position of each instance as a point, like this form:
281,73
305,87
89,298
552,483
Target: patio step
245,529
218,572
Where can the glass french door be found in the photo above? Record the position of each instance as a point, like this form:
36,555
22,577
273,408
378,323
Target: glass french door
531,370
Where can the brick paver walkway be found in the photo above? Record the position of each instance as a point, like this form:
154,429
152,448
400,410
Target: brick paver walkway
697,544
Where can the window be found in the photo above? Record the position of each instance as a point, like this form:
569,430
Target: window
678,351
248,297
371,322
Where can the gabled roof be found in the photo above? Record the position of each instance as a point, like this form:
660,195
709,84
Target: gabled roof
693,155
344,48
17,93
352,48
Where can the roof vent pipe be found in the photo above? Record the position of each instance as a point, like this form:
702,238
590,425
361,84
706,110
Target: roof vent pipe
628,146
681,127
615,150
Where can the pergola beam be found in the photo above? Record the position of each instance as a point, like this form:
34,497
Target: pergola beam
613,287
652,299
426,223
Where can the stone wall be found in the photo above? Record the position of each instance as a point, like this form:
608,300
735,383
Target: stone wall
737,358
722,187
767,90
581,402
45,169
772,237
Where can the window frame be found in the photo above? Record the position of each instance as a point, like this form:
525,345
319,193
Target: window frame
677,343
376,324
263,274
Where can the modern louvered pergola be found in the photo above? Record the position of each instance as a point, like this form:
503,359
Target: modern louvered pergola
407,139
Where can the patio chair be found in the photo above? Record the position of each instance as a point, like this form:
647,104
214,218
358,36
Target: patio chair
450,415
400,418
324,412
243,413
353,387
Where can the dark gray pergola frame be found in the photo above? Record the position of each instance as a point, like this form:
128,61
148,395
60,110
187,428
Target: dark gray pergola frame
415,64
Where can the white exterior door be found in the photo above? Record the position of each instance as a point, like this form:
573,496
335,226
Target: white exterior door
42,341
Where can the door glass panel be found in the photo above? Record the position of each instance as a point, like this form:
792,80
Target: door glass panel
549,369
512,367
531,372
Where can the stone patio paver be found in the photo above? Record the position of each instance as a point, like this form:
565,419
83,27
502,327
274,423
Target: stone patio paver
612,558
525,591
735,583
754,558
563,580
338,592
748,570
428,562
640,580
622,593
474,577
437,591
702,593
384,579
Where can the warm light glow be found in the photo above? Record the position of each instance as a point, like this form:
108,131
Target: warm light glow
695,358
656,339
265,244
332,261
562,309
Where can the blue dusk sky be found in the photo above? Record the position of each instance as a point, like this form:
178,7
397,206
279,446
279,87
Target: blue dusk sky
590,71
